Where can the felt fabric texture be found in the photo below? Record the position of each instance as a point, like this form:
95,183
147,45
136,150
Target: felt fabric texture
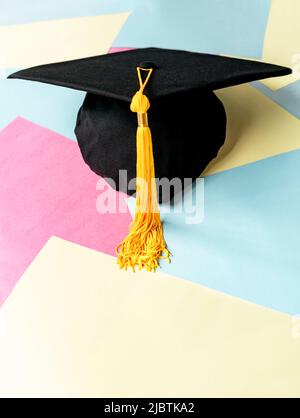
106,129
177,72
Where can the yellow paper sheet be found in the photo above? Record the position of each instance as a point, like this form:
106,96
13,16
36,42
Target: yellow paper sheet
58,40
281,44
76,324
257,128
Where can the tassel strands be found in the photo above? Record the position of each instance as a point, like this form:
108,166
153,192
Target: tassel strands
145,244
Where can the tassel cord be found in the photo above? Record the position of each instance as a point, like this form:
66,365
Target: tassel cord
145,244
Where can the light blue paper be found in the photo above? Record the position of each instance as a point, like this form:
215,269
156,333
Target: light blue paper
287,97
249,243
235,27
28,11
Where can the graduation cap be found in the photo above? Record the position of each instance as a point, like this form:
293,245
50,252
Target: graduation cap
187,121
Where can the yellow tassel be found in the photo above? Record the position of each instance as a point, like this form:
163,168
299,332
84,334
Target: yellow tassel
145,244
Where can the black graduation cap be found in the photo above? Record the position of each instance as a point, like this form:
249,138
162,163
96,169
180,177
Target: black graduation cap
187,120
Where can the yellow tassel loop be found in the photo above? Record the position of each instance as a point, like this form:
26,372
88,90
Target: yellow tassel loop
145,244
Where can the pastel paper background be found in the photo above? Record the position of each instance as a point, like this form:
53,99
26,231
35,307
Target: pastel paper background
20,11
287,97
198,27
282,40
222,27
248,243
264,140
47,189
116,333
257,128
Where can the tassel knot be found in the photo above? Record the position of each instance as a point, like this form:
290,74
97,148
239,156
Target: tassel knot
140,103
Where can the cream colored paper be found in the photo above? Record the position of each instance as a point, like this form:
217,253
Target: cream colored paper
58,40
76,324
257,128
281,44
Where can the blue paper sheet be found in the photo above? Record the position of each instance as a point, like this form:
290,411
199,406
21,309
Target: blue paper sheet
287,97
28,11
248,244
235,27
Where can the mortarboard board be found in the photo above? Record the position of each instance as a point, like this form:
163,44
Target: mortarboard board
187,120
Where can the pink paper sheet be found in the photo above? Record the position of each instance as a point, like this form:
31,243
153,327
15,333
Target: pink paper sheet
114,49
46,189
